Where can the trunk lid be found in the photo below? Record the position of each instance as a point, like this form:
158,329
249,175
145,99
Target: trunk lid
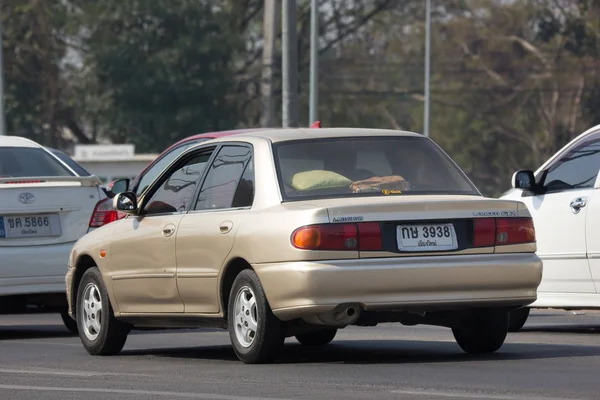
46,210
421,225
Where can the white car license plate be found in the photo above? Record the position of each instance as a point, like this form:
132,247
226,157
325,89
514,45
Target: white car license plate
26,226
433,237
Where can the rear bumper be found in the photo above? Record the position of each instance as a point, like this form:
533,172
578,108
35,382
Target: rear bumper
33,269
304,289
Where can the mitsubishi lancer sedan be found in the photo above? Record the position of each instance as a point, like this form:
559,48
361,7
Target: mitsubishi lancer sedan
300,233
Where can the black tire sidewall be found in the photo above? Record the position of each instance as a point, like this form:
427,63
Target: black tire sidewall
268,332
484,332
317,338
518,318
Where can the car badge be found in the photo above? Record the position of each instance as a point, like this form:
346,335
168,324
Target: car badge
26,198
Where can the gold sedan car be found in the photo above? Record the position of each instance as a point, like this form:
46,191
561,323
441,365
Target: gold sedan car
301,232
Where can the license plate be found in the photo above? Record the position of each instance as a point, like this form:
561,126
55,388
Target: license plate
26,226
433,237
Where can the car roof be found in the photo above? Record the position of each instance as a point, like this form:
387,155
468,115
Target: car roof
17,141
211,135
218,134
286,134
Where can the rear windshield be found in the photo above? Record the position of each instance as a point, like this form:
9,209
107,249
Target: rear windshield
366,166
19,162
71,163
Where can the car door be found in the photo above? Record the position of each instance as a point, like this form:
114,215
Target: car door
561,214
143,260
206,234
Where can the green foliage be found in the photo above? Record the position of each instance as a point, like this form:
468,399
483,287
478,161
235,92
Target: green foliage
512,81
164,66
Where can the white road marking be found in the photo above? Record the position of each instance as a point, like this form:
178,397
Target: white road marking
54,371
483,396
136,392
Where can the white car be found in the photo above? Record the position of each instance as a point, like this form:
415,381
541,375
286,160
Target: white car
45,206
562,197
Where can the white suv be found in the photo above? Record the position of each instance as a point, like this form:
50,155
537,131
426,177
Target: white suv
45,206
563,198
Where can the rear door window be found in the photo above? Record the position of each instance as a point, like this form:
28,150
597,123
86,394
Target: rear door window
222,180
20,162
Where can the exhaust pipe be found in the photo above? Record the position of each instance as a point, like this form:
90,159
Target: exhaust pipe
343,315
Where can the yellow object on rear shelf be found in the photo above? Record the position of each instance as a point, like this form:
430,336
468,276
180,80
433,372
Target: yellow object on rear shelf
319,179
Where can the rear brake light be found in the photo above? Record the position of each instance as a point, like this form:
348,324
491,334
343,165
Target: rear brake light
104,214
22,182
490,232
369,236
485,232
514,231
316,124
361,236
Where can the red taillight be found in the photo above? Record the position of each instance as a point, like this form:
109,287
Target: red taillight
22,182
361,236
369,236
485,232
490,232
104,214
316,124
514,231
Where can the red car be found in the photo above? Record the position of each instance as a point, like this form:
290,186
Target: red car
144,178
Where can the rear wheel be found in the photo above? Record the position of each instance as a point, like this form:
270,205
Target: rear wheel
317,338
256,334
100,332
517,319
69,322
483,332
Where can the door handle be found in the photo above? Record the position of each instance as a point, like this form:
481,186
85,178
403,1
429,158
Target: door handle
168,230
225,226
577,204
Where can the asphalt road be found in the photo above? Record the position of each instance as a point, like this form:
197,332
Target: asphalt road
557,356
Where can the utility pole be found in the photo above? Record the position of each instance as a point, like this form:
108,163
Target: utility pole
289,64
427,67
2,123
313,113
270,35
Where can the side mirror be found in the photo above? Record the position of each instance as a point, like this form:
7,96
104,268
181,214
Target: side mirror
119,186
125,202
523,180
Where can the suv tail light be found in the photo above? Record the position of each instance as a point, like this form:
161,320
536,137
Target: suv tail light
503,231
361,236
104,214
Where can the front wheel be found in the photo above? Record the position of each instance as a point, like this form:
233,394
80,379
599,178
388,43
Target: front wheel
317,338
100,332
256,334
483,332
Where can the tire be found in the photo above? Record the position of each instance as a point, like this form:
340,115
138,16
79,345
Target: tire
517,319
69,322
264,343
483,332
317,338
108,336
